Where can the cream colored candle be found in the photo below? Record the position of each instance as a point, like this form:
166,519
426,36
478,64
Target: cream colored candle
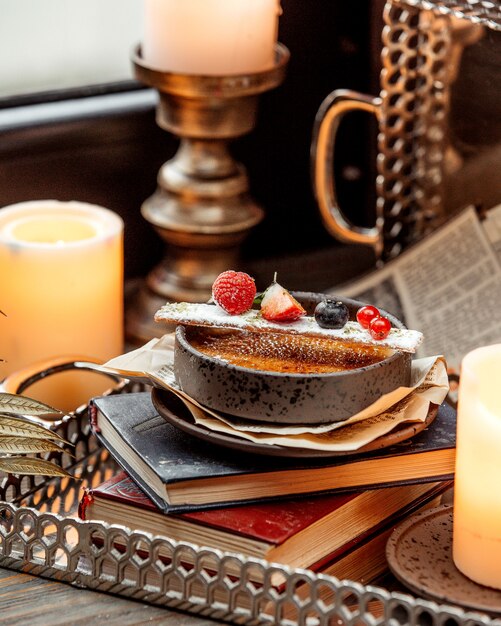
61,289
216,37
477,496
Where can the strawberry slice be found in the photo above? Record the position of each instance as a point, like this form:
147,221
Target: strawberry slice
278,305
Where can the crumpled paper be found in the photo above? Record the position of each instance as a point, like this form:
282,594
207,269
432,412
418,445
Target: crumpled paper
154,363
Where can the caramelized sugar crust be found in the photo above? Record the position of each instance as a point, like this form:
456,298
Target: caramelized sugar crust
276,352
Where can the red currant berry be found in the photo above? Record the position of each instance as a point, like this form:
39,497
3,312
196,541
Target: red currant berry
366,314
380,328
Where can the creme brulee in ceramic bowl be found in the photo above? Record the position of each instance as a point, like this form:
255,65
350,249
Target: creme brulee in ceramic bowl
286,378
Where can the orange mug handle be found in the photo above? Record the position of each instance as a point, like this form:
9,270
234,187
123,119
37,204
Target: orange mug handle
327,122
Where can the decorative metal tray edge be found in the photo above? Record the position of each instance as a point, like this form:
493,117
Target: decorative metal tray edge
217,585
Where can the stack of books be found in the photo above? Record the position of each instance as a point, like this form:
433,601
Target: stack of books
332,515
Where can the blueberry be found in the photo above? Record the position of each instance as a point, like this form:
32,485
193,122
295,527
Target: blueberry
331,314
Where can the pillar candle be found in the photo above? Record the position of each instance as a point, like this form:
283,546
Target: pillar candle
61,292
212,37
477,497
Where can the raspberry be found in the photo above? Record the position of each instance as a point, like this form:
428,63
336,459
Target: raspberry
234,291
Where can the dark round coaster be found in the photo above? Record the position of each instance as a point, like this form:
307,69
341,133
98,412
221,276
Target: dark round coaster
419,554
174,411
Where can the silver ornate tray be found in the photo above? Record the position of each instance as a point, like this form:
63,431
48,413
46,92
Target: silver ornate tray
41,534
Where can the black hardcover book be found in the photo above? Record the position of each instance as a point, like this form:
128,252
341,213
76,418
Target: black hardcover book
180,472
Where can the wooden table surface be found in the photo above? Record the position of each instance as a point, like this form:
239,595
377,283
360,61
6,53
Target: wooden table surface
26,599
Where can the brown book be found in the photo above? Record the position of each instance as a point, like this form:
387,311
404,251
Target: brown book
308,532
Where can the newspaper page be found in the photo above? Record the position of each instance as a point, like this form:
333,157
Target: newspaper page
448,286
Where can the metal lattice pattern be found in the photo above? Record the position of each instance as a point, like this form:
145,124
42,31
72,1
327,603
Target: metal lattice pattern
412,128
486,12
167,573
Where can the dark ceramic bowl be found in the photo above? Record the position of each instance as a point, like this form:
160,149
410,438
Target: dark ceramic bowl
287,398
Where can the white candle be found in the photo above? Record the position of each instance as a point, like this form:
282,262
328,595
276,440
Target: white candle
61,289
214,37
477,496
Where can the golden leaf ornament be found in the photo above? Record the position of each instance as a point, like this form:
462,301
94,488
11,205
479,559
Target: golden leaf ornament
20,405
29,465
23,445
19,427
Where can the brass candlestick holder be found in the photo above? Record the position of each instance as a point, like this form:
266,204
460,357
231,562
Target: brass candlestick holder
202,208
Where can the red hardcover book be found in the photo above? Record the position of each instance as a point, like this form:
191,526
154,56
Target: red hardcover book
306,532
